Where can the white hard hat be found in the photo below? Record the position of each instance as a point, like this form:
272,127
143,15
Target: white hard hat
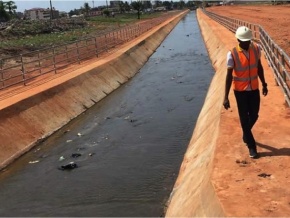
243,33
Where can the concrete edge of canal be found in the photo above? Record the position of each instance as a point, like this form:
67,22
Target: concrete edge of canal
36,113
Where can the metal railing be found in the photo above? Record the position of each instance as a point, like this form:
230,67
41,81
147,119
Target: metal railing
277,58
22,69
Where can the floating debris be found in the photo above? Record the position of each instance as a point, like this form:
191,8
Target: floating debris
79,134
36,150
188,98
69,166
33,162
75,155
105,137
67,141
91,154
61,158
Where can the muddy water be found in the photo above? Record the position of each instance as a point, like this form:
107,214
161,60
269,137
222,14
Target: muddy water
131,143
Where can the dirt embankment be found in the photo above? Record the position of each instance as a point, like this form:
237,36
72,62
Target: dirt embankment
259,187
273,18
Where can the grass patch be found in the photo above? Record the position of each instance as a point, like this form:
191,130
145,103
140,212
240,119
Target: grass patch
35,35
123,18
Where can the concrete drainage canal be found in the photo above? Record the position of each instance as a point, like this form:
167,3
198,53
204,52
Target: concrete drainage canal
127,149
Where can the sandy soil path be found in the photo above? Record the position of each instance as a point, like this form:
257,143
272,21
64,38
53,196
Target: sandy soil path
258,187
273,18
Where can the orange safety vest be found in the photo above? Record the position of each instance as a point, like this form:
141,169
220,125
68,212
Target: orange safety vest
245,70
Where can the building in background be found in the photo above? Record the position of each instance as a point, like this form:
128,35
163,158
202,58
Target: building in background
114,4
96,12
40,14
20,15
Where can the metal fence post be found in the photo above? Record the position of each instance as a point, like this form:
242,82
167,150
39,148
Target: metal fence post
66,54
2,77
53,58
22,70
78,52
283,66
39,65
88,54
106,42
96,47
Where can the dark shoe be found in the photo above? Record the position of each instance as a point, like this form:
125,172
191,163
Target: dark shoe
253,152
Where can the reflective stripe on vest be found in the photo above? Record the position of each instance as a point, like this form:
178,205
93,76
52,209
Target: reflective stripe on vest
245,71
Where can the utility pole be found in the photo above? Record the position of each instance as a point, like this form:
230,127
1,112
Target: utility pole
51,14
93,4
107,4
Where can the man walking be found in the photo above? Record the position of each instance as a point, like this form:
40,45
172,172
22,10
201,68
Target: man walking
243,69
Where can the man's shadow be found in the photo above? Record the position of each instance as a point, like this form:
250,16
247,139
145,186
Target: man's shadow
273,151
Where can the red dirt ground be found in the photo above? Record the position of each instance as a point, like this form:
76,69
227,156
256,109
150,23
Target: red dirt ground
273,18
258,187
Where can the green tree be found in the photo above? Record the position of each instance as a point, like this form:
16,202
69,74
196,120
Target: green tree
181,4
121,7
71,13
167,4
175,5
86,9
127,7
106,12
192,4
158,3
11,7
147,4
4,16
138,6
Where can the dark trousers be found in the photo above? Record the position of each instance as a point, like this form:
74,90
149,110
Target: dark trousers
248,103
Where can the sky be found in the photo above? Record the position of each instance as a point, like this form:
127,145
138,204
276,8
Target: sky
61,5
